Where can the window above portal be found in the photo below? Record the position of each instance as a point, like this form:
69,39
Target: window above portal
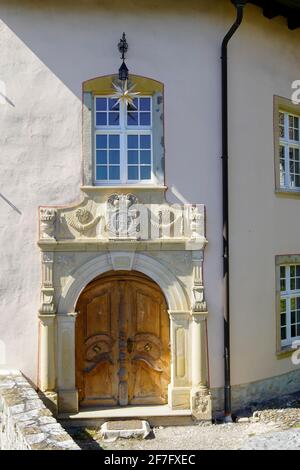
123,139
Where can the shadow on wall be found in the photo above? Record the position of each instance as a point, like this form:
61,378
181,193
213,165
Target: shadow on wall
10,204
62,34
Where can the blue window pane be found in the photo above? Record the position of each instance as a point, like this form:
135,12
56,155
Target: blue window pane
114,141
114,172
133,157
114,157
134,106
101,157
133,173
101,104
101,119
145,119
101,172
132,119
113,119
145,173
113,104
132,142
145,142
101,141
145,157
145,104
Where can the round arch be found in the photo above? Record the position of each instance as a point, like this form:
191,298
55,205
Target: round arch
174,292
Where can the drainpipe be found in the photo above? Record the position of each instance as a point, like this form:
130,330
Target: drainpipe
239,5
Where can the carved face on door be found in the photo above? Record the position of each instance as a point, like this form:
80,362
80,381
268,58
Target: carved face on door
122,342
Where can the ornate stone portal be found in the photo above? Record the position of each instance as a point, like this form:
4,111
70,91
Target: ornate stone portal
125,229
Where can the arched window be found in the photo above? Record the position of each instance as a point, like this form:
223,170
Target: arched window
123,142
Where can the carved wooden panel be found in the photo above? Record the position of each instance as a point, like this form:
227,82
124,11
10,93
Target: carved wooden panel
122,342
96,344
148,330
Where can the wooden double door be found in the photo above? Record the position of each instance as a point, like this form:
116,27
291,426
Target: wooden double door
122,342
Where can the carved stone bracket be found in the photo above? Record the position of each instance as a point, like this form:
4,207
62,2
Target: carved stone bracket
47,290
47,223
198,303
196,221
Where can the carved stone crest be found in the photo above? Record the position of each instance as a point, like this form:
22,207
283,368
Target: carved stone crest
201,405
120,217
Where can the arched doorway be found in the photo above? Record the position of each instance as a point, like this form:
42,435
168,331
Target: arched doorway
122,341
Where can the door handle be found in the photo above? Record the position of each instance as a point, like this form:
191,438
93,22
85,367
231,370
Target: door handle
129,345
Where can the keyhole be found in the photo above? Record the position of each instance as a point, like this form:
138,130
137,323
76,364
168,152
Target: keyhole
129,345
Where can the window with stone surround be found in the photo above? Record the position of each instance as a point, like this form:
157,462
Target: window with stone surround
123,140
288,299
123,143
287,145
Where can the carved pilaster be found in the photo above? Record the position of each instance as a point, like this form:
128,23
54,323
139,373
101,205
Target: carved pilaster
47,352
200,396
47,289
67,392
179,388
198,299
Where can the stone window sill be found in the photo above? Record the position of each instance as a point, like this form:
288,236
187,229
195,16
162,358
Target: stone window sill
124,186
288,192
285,352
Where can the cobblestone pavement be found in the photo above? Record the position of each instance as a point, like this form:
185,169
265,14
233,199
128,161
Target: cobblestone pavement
275,426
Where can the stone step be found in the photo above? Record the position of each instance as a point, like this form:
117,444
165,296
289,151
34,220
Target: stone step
126,429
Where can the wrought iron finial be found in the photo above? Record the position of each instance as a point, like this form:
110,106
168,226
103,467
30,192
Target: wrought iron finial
123,48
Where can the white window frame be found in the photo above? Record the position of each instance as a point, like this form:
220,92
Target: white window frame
287,295
287,143
123,130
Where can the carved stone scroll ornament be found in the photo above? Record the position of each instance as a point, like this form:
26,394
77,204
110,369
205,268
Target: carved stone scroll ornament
47,222
82,220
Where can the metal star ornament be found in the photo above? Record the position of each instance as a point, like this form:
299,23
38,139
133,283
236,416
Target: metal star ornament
124,94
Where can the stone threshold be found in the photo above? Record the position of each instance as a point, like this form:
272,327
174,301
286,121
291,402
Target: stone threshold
159,415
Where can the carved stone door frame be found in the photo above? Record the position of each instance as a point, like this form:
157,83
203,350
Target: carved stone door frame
77,246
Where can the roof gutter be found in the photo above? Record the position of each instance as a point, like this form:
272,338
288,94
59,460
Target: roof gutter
239,5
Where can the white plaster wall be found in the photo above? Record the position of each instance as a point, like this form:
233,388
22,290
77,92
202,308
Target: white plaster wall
49,48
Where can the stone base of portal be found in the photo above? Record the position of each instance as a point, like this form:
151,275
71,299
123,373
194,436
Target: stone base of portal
68,401
201,404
